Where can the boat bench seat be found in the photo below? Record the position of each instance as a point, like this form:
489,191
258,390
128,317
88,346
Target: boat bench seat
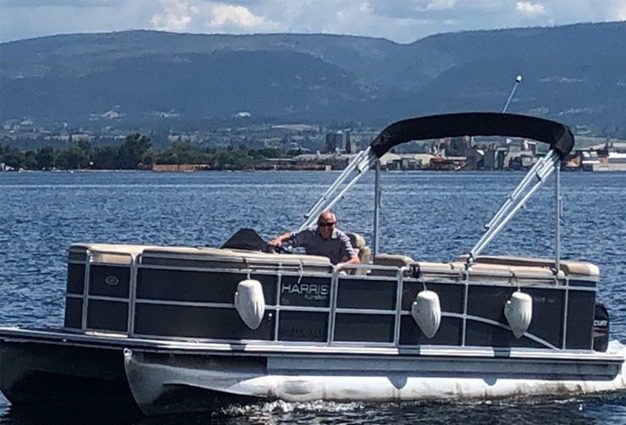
580,268
105,253
567,267
399,260
513,272
363,252
200,257
390,260
526,275
427,268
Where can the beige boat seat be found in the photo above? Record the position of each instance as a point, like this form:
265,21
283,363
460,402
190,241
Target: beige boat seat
363,252
506,273
197,257
390,260
545,266
435,269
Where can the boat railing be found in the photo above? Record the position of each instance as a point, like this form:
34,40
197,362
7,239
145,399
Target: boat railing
436,274
374,298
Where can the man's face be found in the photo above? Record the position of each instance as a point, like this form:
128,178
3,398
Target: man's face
325,225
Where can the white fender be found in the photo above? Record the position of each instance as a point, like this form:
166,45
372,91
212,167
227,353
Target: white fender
426,311
519,312
250,302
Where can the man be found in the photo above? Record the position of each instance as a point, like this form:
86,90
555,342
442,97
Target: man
326,240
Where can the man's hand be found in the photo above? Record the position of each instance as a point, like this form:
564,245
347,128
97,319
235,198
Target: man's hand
276,242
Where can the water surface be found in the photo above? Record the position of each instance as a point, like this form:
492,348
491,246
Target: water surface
428,216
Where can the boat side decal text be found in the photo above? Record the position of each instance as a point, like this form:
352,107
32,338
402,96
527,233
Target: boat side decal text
310,291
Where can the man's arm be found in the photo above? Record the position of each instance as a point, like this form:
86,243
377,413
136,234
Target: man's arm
349,252
352,260
278,241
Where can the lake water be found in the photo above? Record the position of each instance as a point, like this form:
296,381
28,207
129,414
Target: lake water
428,216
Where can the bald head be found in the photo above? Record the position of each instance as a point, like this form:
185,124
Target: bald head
326,224
326,216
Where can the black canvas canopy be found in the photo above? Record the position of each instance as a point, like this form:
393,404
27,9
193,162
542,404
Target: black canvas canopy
247,239
557,135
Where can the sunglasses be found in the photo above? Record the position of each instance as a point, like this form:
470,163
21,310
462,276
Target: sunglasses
327,224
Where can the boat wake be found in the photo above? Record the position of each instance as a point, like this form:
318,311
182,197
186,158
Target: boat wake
280,406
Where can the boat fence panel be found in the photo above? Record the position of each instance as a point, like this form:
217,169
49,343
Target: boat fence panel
191,321
365,310
178,299
352,327
366,294
451,296
74,293
485,307
107,315
304,326
98,288
197,286
580,308
109,281
305,291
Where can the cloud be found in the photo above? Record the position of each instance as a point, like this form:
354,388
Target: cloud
226,15
616,10
59,3
203,16
175,15
531,9
438,5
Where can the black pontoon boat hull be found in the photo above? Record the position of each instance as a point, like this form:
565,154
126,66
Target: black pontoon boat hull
167,377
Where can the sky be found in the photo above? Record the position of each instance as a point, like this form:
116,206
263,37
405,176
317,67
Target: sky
403,21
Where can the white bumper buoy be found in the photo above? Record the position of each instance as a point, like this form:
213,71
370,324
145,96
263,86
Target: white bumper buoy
426,311
519,312
250,302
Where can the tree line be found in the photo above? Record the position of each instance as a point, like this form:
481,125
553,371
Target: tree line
136,152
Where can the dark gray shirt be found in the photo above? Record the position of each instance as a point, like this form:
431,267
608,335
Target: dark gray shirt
337,248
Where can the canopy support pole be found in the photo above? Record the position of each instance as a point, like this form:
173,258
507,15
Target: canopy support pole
537,168
359,165
377,194
522,193
558,207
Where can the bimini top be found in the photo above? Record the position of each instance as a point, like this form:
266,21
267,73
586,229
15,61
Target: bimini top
557,135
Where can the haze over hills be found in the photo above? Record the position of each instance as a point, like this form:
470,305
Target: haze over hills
575,74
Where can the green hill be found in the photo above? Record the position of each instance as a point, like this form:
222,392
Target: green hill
575,74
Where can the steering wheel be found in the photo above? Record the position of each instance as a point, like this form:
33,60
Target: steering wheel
276,249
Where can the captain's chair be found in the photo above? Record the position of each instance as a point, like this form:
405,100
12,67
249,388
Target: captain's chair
363,251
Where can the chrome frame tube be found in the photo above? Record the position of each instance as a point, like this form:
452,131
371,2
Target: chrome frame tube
537,168
511,209
328,205
86,279
465,306
342,177
331,197
557,232
332,307
398,314
279,283
377,194
132,293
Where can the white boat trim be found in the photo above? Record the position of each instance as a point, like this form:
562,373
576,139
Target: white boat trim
116,341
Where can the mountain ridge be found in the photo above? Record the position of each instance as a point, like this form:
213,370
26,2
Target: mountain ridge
574,73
